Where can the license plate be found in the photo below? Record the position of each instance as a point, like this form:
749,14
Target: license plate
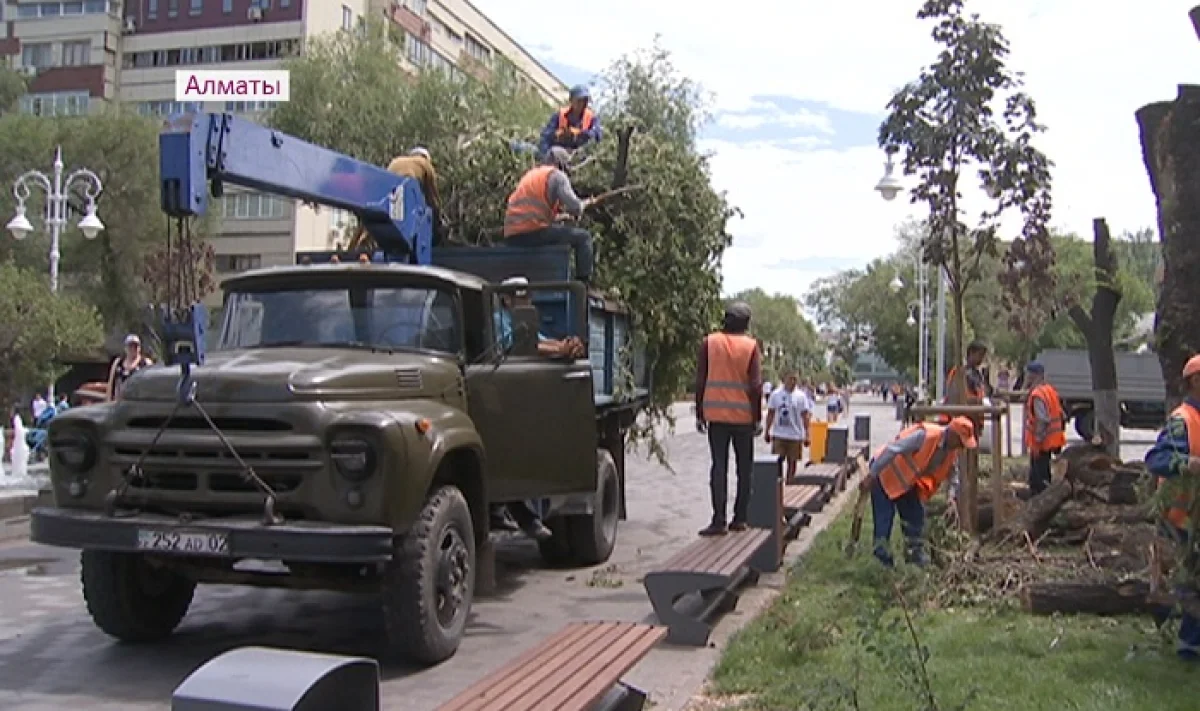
184,542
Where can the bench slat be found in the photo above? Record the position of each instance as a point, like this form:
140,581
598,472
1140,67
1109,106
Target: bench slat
737,556
563,666
798,495
592,675
830,470
700,554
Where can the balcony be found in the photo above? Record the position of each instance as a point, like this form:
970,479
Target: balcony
411,22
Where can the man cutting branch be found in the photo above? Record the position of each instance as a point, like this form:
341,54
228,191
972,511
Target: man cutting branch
545,192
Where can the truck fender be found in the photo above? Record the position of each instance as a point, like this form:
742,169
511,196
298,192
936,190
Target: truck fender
457,458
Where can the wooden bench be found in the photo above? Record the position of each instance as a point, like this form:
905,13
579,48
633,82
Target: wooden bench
820,474
800,502
713,567
578,669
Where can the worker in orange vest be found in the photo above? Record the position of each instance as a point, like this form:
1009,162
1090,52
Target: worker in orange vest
1044,426
573,126
542,195
977,387
729,409
1175,456
905,474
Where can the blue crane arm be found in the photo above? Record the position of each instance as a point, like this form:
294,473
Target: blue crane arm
197,149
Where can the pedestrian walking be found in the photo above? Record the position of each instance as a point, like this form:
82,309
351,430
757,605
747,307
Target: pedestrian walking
729,409
124,367
1045,421
789,414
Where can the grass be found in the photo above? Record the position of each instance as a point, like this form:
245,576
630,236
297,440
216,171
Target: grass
836,639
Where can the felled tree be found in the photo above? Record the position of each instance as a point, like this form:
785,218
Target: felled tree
967,111
1171,153
38,329
658,247
180,274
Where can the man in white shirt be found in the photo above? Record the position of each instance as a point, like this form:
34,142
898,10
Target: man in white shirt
789,412
39,405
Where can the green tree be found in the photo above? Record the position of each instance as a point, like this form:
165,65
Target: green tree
12,87
38,329
967,111
658,247
788,340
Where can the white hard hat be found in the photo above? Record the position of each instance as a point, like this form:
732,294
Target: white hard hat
515,281
418,151
133,340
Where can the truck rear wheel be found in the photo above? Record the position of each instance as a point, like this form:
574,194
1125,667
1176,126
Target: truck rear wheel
430,584
585,540
1085,424
132,600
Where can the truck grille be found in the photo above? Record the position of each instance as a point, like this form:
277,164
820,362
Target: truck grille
225,424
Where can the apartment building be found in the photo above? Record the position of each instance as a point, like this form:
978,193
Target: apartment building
81,54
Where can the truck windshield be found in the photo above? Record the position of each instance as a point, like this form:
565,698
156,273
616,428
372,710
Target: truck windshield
374,317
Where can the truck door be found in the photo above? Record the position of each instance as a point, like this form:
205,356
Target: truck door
536,414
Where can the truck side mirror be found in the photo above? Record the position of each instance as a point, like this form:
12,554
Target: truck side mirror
525,330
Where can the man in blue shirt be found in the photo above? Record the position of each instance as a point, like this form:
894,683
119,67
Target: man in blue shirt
573,126
1174,456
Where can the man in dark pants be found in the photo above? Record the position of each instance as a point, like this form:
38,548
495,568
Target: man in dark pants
543,195
729,408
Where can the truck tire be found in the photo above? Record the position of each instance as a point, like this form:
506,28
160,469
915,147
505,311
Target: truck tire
429,586
592,537
132,600
1085,424
556,551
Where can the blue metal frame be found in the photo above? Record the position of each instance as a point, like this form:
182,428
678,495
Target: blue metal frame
198,148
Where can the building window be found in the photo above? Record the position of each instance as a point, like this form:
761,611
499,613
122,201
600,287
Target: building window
247,107
215,54
72,8
64,103
417,6
285,4
96,7
37,55
76,54
151,9
347,18
418,51
30,11
172,8
477,49
252,206
227,6
237,262
196,8
167,108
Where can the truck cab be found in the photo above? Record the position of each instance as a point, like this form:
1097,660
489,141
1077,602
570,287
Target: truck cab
354,426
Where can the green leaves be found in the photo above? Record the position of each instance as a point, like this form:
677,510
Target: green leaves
37,328
789,341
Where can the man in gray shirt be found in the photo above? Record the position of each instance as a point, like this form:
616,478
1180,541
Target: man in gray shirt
530,219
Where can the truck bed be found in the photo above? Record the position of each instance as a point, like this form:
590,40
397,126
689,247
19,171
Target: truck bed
1139,376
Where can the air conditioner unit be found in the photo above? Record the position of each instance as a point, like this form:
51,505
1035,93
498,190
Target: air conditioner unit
254,14
131,24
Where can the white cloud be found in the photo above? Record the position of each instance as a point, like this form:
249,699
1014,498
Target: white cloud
1088,66
776,117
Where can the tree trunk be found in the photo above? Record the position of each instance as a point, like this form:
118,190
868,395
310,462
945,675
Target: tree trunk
1129,598
1034,519
1097,329
1172,158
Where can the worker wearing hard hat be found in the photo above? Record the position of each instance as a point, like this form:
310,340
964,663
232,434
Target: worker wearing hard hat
574,125
1044,426
905,474
534,207
418,165
1175,460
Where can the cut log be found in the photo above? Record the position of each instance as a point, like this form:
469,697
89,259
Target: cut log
1106,599
1035,518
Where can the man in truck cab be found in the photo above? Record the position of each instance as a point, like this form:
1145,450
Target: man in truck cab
530,219
570,347
573,126
1175,457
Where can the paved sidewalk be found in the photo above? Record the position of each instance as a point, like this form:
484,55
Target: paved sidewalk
51,657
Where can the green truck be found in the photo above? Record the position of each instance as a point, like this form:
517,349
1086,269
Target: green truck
357,424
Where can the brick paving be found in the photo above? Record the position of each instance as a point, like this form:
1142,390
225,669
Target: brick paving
51,656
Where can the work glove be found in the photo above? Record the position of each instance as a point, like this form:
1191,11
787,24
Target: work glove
701,425
758,429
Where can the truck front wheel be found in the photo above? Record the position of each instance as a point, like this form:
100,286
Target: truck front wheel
430,583
131,599
1085,424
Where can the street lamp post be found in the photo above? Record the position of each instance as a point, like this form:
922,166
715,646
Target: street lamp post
58,190
921,307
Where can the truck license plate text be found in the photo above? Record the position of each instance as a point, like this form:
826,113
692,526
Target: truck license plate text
183,542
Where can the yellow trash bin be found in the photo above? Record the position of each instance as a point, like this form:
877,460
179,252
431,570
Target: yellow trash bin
818,433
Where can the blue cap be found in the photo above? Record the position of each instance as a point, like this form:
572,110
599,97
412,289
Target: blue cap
580,92
1035,367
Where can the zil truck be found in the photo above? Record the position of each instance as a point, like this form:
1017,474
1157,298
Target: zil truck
355,422
1140,388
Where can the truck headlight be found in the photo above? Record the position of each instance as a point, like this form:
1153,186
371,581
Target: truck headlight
74,451
354,457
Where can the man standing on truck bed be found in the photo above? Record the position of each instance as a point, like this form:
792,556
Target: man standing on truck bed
573,126
729,407
418,165
541,195
1176,456
1044,422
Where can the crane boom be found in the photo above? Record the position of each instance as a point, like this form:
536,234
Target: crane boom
199,150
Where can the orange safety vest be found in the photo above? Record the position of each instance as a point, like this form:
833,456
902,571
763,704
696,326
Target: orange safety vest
585,123
974,397
925,469
727,396
529,207
1055,437
1178,512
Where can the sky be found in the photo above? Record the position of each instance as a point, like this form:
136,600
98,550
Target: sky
800,88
